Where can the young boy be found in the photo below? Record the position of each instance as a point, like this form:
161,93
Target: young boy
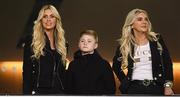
89,73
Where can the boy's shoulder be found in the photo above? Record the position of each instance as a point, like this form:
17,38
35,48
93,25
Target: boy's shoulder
101,58
104,62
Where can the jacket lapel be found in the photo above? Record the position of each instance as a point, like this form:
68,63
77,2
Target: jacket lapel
154,56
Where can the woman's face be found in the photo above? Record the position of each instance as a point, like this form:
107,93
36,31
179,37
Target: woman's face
48,20
140,23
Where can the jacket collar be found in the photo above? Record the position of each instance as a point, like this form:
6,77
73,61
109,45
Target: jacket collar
78,54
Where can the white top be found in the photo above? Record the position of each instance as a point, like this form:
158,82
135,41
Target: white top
143,64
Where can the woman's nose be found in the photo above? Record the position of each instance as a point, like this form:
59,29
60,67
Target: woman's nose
145,21
48,19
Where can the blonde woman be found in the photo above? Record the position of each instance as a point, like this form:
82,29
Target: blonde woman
45,55
145,56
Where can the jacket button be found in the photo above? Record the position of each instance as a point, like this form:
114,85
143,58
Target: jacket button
33,92
160,75
33,72
160,65
155,78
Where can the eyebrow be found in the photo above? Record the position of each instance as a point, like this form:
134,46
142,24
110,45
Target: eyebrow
146,18
50,14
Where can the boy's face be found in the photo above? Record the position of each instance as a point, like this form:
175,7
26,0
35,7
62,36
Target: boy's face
87,44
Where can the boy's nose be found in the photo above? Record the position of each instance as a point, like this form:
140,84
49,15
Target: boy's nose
85,43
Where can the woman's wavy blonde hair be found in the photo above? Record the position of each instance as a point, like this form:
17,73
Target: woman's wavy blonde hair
38,41
127,38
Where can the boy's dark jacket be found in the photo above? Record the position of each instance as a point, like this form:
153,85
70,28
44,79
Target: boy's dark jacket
90,75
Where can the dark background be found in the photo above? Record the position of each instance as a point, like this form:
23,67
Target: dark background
104,16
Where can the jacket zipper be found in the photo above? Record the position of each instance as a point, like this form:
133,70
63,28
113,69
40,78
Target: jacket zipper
38,73
59,78
54,71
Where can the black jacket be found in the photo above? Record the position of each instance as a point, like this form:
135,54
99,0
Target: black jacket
48,71
90,75
162,71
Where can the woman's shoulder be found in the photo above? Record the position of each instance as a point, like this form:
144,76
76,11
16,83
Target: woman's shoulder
28,40
159,38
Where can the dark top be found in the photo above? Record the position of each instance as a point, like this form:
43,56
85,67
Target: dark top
162,71
46,72
90,75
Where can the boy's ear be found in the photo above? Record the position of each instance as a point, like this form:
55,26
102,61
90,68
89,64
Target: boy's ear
96,46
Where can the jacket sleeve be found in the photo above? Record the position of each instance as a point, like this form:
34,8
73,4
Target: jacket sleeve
167,62
117,65
27,69
109,80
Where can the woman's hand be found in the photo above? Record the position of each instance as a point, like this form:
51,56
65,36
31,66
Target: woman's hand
168,91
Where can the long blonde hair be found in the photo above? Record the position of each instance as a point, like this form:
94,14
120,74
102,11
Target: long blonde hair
127,38
38,41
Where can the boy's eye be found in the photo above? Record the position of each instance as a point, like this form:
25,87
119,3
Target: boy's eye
89,41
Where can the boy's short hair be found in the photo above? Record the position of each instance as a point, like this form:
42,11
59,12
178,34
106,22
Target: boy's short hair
90,32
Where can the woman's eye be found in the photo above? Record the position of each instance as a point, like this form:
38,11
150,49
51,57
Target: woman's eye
139,19
146,19
52,16
45,16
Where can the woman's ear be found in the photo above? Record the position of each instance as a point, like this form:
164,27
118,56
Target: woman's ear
132,27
